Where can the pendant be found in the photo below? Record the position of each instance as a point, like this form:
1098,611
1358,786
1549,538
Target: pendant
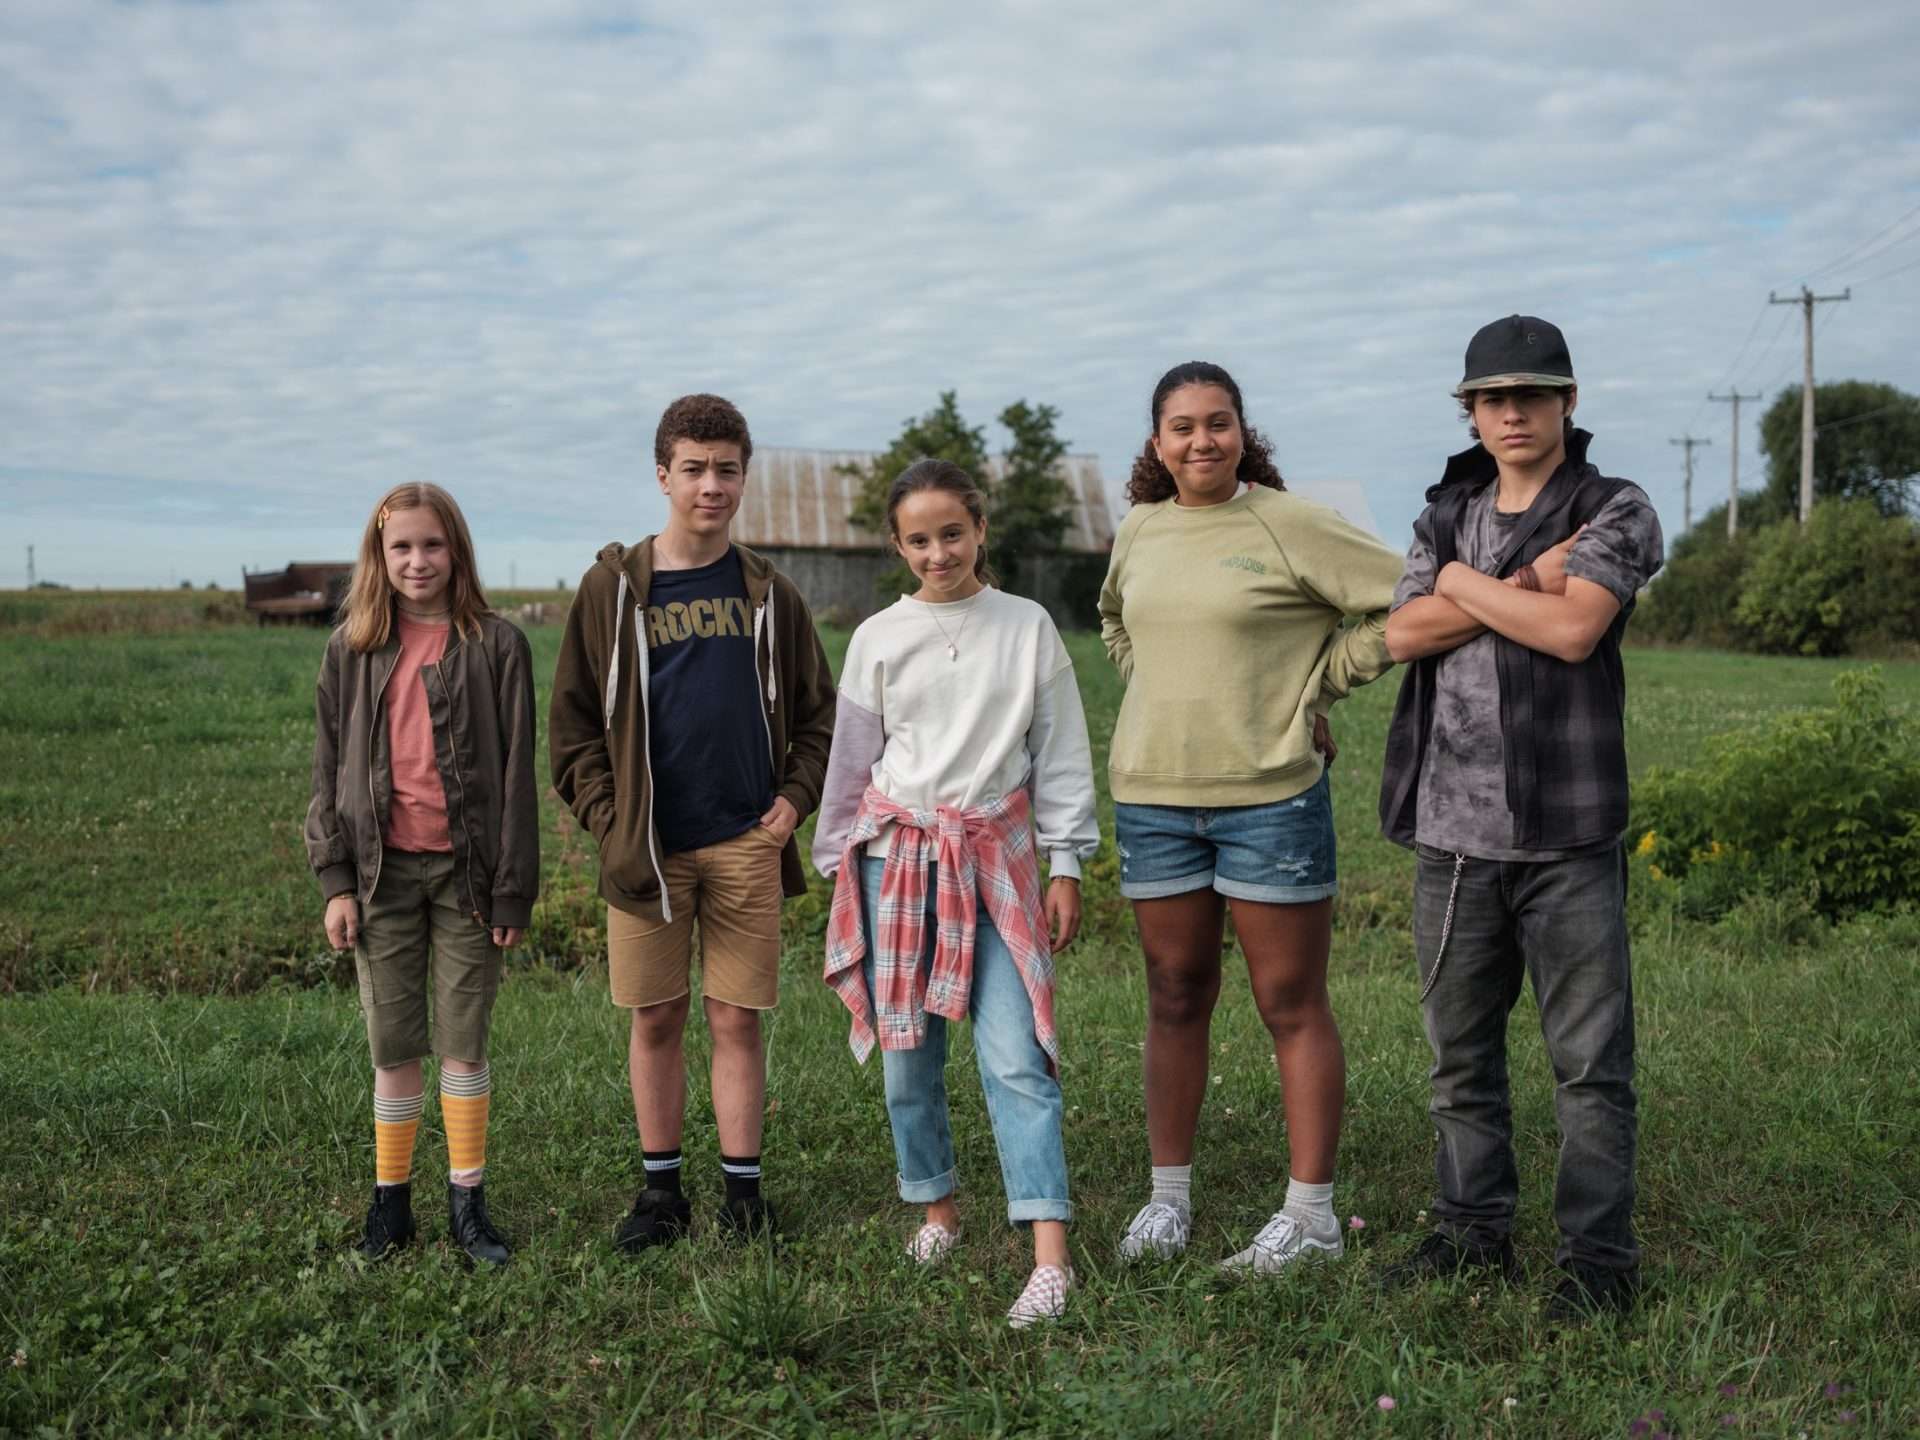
952,654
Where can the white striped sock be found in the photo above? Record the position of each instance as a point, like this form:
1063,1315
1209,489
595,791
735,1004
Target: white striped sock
467,1087
398,1109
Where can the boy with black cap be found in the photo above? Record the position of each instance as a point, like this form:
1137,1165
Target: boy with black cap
1507,772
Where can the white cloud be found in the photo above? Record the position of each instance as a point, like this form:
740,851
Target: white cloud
264,260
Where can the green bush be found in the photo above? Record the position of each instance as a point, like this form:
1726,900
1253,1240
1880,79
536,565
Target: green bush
1847,580
1692,600
1821,803
1849,583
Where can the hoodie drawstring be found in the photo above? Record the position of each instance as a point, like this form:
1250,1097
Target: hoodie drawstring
613,658
773,686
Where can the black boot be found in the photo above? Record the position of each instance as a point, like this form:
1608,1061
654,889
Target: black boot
471,1227
747,1217
1589,1290
659,1217
389,1221
1441,1255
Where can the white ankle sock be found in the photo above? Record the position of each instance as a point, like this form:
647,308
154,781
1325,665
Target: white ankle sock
1312,1205
1173,1185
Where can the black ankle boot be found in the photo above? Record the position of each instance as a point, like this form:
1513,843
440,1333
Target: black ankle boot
389,1221
471,1227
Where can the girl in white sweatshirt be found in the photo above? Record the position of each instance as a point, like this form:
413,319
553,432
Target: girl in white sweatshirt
959,752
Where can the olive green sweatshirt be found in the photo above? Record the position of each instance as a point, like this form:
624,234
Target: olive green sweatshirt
1225,623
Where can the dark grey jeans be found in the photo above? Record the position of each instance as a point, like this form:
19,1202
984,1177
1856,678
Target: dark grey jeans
1564,923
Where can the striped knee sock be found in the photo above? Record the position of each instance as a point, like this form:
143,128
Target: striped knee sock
463,1109
396,1121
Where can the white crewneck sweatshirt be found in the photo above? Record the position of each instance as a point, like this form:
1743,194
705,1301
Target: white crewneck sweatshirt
928,729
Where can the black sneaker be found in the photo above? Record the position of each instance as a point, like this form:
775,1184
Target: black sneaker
389,1221
1441,1255
471,1226
1589,1290
749,1217
659,1217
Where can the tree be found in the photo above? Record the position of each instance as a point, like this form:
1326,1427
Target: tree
1866,446
940,434
1031,499
1849,580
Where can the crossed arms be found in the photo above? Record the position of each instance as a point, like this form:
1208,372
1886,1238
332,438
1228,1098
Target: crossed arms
1564,618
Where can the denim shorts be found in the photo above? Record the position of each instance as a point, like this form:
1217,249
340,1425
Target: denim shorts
1280,853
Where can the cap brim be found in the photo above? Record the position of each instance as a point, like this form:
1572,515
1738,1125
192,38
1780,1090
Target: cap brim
1514,382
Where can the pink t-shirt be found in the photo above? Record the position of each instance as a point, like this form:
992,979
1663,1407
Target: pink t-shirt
417,818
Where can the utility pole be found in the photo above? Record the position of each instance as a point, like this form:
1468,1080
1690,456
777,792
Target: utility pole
1689,441
1733,485
30,574
1806,300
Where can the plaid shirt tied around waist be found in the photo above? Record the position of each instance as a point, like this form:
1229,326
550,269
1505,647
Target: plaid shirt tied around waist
983,854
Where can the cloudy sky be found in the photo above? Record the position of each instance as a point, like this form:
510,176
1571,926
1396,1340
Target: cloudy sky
258,261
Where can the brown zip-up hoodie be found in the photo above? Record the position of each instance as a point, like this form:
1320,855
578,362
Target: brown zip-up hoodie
597,721
480,696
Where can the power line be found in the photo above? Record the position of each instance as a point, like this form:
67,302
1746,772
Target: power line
1818,330
1847,255
1889,274
1740,355
1856,419
1687,494
1806,300
1733,483
1762,357
1889,247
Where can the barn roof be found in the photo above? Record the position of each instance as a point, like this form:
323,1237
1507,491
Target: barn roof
800,498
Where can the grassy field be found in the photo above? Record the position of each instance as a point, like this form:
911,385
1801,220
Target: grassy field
187,1149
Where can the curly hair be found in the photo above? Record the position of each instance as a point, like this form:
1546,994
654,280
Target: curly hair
705,418
1152,481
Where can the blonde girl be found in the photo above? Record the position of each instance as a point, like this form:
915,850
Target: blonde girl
959,753
424,834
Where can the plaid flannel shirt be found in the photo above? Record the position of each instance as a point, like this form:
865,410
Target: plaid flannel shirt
1564,723
983,854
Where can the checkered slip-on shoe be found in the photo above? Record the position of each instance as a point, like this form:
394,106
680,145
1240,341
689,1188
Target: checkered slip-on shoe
1045,1297
931,1243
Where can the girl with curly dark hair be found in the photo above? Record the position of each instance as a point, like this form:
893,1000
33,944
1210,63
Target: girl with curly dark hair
1223,609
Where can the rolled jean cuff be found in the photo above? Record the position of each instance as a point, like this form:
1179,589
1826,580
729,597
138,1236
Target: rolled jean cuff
1025,1212
925,1192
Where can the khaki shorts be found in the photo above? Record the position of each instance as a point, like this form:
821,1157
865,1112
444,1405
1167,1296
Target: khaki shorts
415,909
734,890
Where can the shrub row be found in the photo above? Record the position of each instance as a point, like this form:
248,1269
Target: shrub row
1847,583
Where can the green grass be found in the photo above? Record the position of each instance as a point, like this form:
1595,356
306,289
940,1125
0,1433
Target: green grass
182,1165
153,787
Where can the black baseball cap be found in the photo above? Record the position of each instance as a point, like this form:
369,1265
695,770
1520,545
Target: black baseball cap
1519,350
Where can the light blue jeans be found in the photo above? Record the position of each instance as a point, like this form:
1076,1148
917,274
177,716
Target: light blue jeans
1023,1097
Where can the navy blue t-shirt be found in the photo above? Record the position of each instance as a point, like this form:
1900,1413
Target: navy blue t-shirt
712,765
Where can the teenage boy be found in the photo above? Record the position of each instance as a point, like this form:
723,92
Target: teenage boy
1506,771
692,709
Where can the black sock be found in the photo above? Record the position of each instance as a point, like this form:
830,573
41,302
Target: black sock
663,1169
742,1174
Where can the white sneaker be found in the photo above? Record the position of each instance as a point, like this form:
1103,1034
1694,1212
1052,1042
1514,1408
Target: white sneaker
1283,1240
931,1243
1158,1229
1045,1297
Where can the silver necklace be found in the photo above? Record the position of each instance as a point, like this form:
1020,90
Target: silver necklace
953,640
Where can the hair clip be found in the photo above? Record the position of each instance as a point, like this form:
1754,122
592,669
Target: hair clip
381,523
